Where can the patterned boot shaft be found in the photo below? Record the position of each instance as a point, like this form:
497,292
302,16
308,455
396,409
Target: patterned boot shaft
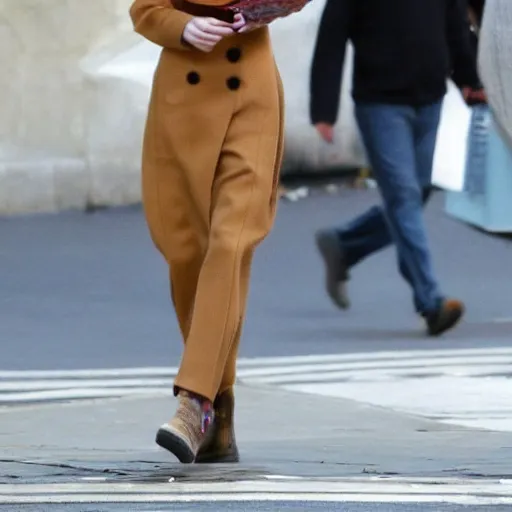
220,443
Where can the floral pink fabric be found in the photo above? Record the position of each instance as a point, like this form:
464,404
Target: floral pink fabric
266,11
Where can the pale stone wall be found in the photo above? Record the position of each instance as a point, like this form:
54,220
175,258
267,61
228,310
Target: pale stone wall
75,83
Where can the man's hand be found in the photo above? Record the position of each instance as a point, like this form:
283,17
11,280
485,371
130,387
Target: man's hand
205,33
326,131
474,96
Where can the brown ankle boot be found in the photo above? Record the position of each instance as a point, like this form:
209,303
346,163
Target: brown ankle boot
186,432
446,317
219,445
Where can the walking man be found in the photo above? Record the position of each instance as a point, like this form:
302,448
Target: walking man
404,52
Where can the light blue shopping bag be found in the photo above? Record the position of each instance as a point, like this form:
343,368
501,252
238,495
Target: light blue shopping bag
486,200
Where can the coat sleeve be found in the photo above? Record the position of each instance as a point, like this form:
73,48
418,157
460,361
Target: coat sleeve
463,56
159,22
328,61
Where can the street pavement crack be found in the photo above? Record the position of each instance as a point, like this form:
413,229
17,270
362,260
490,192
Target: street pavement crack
130,471
59,465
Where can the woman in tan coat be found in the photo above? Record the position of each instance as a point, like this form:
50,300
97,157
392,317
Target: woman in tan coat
211,157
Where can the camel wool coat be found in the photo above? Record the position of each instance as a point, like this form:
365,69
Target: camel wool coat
212,152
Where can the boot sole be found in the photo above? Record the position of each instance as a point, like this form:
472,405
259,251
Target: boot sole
229,458
174,444
332,255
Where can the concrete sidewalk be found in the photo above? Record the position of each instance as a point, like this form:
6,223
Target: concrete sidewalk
279,433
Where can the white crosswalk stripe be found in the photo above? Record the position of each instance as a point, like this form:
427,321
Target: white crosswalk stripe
272,489
32,386
469,387
19,387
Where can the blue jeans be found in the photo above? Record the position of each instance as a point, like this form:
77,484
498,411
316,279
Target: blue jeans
400,142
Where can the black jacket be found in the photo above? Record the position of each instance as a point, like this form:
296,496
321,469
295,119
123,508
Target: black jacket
478,7
404,52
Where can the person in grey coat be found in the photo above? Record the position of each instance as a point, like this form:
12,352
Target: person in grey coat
495,61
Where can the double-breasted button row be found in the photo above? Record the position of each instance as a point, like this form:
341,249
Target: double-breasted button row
233,55
193,78
233,83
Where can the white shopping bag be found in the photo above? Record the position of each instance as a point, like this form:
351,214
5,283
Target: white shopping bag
451,151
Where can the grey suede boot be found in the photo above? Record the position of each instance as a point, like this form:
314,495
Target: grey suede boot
186,432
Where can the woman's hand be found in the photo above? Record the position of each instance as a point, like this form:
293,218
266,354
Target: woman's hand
249,27
205,33
239,23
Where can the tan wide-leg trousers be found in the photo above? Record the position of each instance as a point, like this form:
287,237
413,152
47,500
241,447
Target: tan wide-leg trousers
212,153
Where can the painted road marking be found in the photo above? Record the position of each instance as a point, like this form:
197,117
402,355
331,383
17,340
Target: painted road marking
348,490
468,387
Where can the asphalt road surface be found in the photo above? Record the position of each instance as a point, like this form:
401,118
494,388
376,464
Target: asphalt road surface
90,291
